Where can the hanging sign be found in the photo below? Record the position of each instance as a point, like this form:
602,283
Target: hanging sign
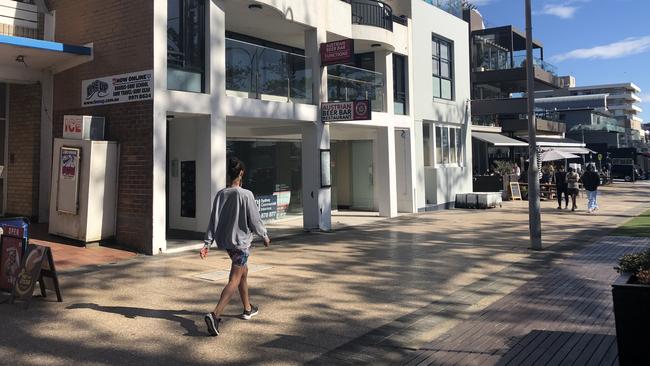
337,52
357,110
123,88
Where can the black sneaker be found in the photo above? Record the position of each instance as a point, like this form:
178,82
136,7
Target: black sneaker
213,324
247,315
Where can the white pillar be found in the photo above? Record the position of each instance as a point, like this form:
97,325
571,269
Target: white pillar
45,174
216,62
385,170
384,65
317,201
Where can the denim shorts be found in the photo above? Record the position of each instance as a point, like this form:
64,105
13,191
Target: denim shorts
238,257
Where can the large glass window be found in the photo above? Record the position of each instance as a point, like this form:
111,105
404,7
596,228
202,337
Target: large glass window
186,45
449,145
442,66
3,101
400,77
426,140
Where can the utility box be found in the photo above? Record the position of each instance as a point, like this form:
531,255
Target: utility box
83,127
83,200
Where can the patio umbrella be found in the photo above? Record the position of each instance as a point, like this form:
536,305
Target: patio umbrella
552,155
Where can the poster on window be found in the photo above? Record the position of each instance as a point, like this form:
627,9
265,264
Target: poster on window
67,195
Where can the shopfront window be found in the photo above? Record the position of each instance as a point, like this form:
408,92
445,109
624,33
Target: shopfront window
400,87
273,172
186,45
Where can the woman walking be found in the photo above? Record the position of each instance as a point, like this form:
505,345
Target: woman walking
234,219
572,179
561,188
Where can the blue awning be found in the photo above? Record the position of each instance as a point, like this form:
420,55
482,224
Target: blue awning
39,44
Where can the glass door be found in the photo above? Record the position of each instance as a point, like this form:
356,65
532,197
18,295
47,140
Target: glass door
363,192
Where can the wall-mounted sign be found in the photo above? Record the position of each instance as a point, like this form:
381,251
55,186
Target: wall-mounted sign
131,87
268,206
337,52
83,127
357,110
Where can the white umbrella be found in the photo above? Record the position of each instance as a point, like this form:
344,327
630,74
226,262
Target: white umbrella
552,155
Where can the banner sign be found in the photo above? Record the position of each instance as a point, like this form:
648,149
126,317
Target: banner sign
268,206
124,88
357,110
337,52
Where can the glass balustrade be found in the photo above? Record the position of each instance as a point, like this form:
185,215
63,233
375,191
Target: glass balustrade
258,72
347,83
454,7
520,61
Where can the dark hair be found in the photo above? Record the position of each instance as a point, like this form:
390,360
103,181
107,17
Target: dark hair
570,170
235,167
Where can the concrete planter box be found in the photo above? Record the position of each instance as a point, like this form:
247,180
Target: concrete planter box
632,314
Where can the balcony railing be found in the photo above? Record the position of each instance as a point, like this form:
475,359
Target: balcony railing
520,61
258,72
453,7
21,19
372,13
347,83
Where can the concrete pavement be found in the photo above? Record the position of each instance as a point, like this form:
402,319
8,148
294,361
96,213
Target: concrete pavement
317,293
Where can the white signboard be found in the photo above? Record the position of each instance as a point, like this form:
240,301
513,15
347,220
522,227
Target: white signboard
73,127
124,88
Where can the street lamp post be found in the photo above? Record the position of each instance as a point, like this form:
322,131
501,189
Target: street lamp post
534,215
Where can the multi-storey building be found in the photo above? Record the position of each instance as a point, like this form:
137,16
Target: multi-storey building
622,101
244,78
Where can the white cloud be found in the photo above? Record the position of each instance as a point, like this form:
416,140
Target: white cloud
562,11
624,48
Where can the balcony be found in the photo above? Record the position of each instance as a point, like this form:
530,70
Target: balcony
453,7
372,13
258,72
21,19
347,83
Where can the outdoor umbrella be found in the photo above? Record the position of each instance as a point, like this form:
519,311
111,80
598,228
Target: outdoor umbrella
552,155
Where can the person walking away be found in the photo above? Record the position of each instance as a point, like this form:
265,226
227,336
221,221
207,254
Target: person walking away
572,179
234,219
561,188
591,181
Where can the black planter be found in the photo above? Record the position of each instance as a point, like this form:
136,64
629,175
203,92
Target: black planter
632,314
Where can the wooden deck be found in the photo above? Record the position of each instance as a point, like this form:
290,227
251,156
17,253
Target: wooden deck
562,317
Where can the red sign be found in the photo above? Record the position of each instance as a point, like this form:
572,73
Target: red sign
72,127
337,52
358,110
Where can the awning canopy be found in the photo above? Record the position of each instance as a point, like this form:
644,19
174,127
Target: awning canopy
554,142
497,139
22,59
574,150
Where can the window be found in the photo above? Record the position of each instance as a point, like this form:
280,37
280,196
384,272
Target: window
449,146
186,45
400,76
442,62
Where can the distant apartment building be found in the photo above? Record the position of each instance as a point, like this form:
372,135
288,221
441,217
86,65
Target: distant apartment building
184,84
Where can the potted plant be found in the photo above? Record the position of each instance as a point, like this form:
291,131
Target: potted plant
505,169
631,295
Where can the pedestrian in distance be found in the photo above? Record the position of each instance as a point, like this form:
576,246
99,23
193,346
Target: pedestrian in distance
572,181
591,181
561,188
233,221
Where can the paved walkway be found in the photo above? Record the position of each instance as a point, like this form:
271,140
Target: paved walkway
375,295
562,317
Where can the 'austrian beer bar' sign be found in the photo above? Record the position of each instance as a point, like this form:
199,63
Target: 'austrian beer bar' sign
337,52
357,110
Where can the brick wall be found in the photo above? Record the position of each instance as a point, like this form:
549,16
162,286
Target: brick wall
24,150
122,36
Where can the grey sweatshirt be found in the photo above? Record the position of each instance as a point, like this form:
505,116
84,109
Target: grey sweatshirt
234,219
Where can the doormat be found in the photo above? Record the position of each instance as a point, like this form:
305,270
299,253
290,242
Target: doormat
223,274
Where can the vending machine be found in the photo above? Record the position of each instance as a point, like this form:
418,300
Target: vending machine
83,199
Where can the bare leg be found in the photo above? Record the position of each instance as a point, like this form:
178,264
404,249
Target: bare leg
243,289
235,277
573,200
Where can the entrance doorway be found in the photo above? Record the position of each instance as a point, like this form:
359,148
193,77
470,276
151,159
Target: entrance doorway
353,182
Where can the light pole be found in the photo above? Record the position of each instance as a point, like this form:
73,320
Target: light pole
534,215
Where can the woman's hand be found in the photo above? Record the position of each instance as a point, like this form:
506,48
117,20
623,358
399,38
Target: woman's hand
204,252
267,241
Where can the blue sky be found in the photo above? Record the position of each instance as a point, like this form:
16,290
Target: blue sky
597,41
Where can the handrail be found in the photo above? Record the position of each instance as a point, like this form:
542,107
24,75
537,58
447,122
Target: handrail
372,12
